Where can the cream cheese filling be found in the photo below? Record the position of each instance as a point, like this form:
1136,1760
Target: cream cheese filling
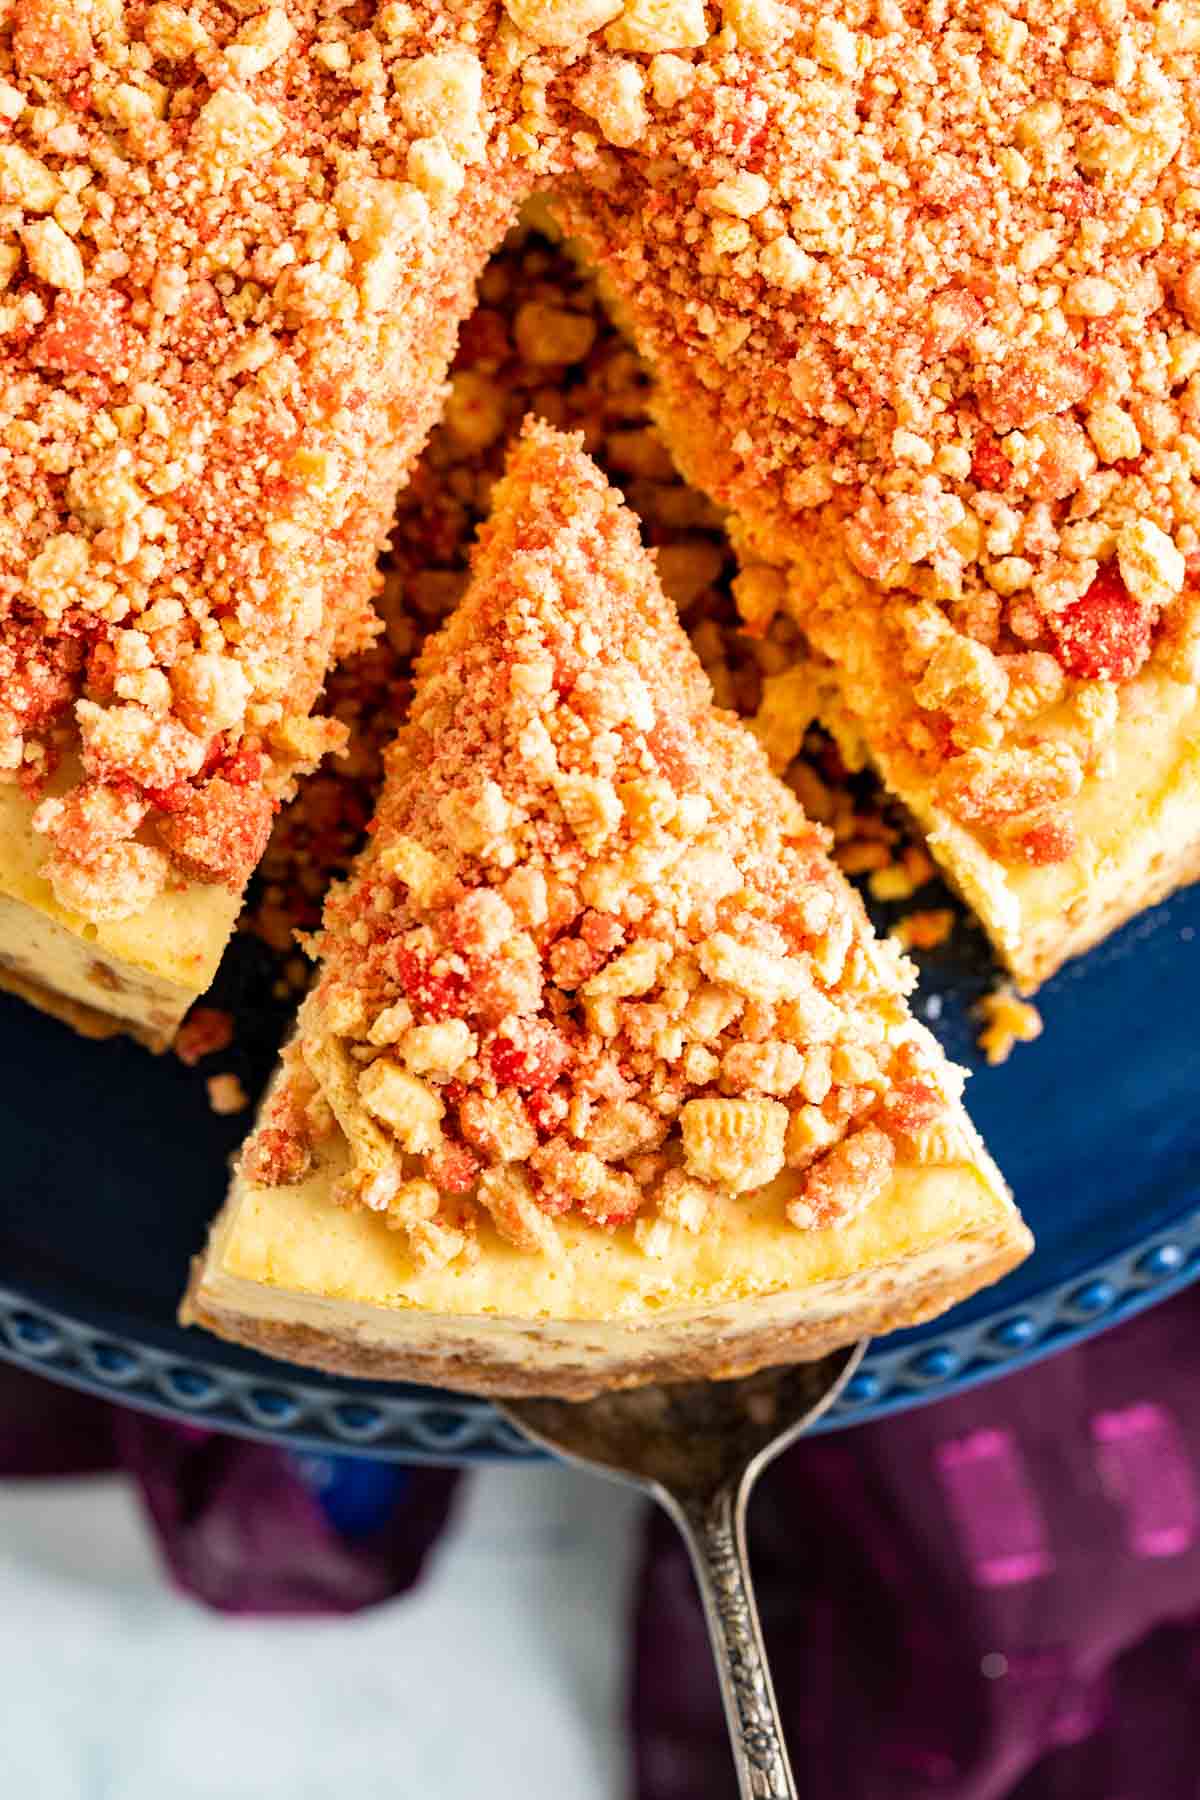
289,1271
144,971
298,1241
1138,831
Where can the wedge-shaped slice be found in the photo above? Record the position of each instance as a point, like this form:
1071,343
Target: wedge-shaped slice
604,1078
216,368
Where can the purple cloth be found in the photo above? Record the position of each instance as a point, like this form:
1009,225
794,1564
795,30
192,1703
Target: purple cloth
994,1598
241,1529
241,1526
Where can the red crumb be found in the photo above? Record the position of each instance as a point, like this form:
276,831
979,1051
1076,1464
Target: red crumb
526,1053
911,1106
1050,842
989,465
1106,635
436,993
86,334
220,831
274,1157
453,1168
1027,389
205,1030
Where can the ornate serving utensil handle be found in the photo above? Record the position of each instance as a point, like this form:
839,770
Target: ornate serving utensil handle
714,1530
698,1448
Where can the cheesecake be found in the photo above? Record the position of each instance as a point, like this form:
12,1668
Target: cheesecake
237,247
137,975
921,293
604,1077
922,301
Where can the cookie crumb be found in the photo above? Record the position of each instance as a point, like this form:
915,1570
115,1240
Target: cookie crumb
1007,1022
925,929
206,1030
226,1095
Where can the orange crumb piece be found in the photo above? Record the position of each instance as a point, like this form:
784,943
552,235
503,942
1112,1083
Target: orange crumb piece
860,856
925,929
1007,1022
205,1030
226,1094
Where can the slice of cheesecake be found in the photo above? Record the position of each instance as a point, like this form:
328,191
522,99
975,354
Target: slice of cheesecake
137,975
227,308
604,1078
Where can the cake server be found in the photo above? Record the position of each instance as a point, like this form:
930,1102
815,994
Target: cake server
698,1448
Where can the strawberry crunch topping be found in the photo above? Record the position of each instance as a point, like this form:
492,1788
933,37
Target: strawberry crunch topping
568,977
921,288
223,330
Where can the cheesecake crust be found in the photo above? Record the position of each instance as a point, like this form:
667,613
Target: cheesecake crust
88,1021
292,1273
456,1354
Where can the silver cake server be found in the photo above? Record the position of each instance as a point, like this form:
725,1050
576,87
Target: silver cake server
698,1448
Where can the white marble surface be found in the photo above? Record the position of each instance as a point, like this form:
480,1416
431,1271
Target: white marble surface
503,1674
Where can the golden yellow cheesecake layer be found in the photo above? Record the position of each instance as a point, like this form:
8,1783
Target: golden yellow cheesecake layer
139,974
289,1271
1139,838
1137,824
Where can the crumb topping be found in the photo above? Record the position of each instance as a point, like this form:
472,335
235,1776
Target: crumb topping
226,1094
225,320
595,960
920,287
922,294
1006,1021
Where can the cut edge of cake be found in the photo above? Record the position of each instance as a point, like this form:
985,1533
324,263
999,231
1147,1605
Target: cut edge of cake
1138,830
1139,842
137,975
289,1272
1135,818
